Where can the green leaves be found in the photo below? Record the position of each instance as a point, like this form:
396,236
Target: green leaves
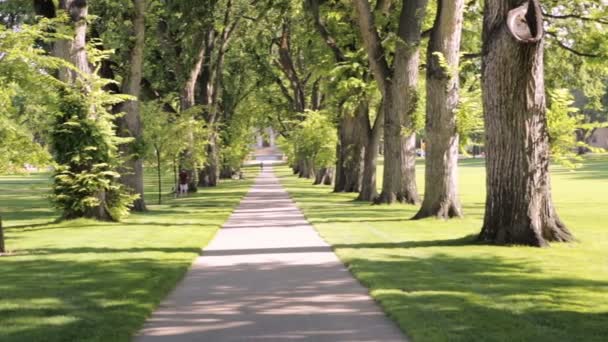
314,139
564,120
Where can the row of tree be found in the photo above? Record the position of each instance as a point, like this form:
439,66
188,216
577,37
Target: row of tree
507,61
183,83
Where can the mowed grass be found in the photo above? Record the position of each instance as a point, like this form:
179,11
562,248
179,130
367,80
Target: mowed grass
83,280
439,285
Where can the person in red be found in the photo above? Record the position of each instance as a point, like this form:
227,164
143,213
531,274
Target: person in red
183,183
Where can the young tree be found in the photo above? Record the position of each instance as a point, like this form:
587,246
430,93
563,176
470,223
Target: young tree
83,139
398,85
519,207
442,84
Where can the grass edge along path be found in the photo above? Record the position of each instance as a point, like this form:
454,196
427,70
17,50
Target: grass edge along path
83,280
438,285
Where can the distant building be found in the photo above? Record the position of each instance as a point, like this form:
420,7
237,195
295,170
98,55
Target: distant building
265,138
599,138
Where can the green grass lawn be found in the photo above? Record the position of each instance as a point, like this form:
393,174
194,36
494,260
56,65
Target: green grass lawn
88,281
439,285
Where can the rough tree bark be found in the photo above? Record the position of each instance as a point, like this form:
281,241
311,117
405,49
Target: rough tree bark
188,100
441,172
398,85
75,52
349,161
306,168
210,173
369,190
519,207
324,176
129,125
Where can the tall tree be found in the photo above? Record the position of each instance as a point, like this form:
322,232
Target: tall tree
441,172
351,126
75,52
129,125
398,85
519,207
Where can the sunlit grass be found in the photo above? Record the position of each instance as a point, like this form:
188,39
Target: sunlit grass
439,285
88,281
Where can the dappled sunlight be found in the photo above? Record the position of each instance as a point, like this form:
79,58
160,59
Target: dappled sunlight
268,275
438,283
71,280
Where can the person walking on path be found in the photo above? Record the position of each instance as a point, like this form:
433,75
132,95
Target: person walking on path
183,183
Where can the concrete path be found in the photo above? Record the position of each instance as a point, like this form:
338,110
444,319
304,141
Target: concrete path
268,276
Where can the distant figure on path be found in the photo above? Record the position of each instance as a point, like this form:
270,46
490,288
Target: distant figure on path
262,166
183,183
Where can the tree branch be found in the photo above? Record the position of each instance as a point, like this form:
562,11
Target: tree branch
571,50
329,40
575,16
371,39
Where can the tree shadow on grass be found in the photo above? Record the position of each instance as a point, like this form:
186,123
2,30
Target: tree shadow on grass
468,240
443,297
82,300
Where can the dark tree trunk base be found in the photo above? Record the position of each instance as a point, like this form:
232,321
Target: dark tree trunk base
324,176
445,210
139,206
2,245
552,230
227,173
400,197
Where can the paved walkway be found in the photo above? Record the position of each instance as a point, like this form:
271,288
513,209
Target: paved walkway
268,276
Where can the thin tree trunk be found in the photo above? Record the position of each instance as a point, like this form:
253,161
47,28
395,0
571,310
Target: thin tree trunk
175,180
369,190
210,173
441,181
158,174
2,245
519,207
129,125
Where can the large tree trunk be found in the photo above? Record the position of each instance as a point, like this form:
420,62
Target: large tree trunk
399,177
398,85
349,164
74,50
519,208
129,125
441,181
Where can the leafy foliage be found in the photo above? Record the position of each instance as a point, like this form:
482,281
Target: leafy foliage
314,140
85,147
